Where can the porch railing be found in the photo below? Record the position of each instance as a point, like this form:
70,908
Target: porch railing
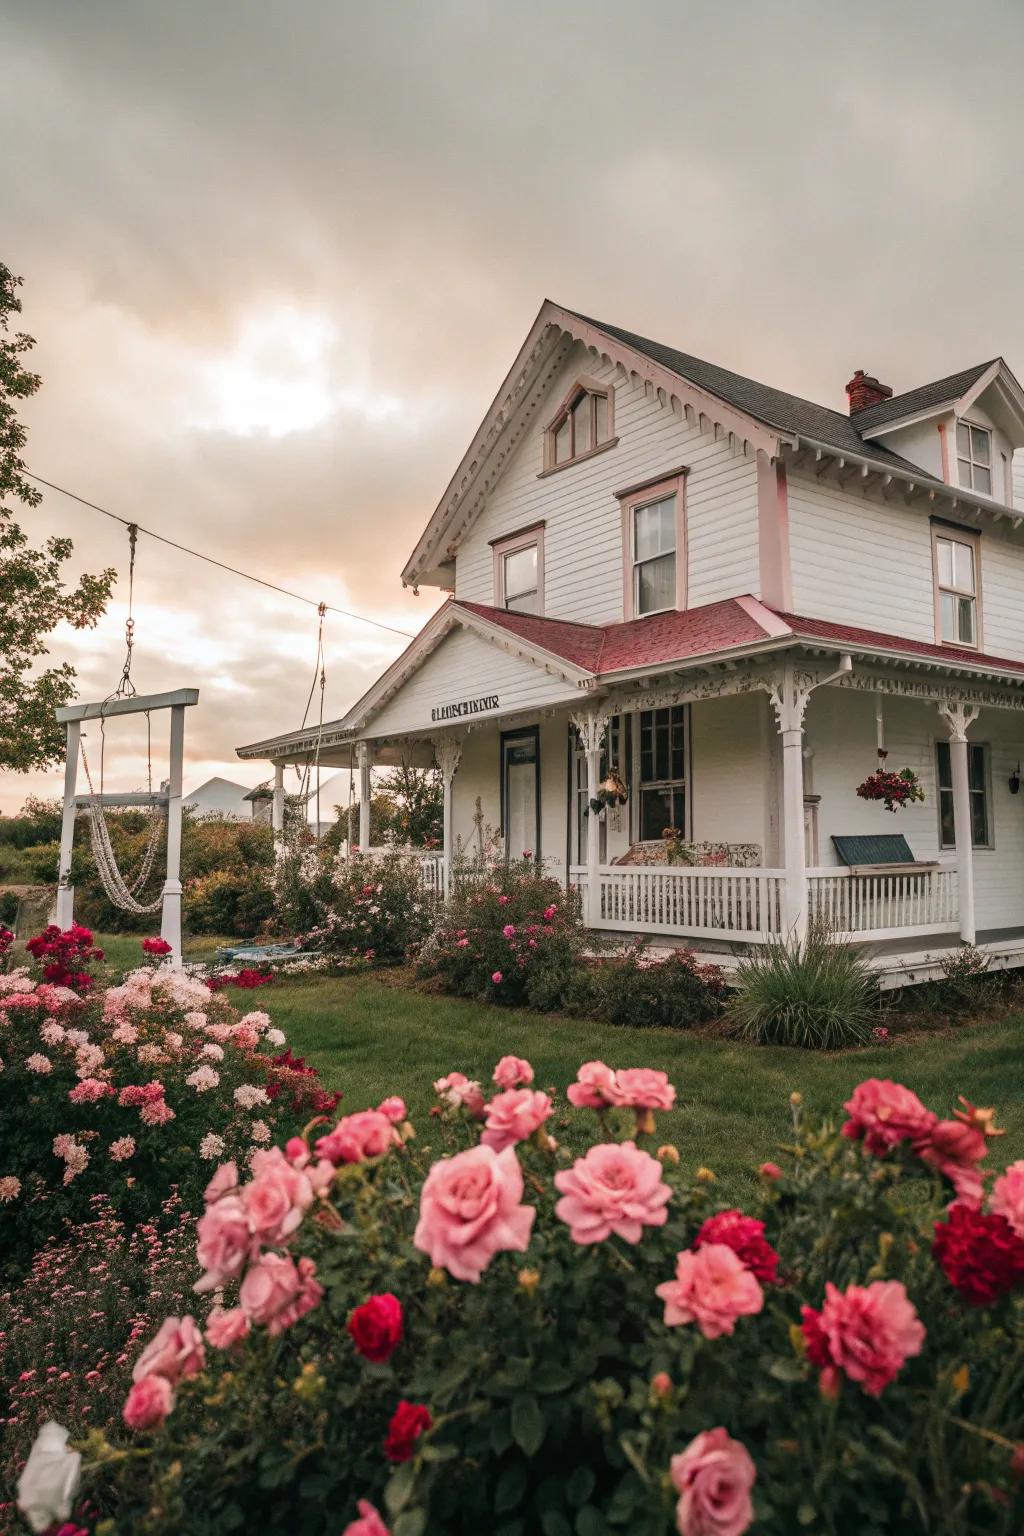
712,902
890,903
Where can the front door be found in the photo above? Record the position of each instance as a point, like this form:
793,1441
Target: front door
520,792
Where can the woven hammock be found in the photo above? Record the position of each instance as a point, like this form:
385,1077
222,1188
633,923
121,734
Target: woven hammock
120,892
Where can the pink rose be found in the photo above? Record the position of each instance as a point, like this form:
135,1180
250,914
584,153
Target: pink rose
497,978
513,1116
224,1328
770,1171
277,1198
712,1288
224,1182
615,1188
225,1242
296,1151
714,1476
884,1113
368,1524
176,1351
643,1088
867,1331
357,1137
148,1403
470,1209
513,1072
595,1087
508,932
954,1149
1008,1196
457,1089
276,1292
394,1108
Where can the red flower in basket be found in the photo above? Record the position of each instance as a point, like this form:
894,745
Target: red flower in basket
893,789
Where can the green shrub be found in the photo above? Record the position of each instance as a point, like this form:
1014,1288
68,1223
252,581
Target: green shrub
41,863
228,903
8,908
676,992
376,909
820,995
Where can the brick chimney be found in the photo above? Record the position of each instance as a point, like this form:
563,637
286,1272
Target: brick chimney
864,390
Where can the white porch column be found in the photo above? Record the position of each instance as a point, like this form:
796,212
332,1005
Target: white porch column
959,717
447,755
170,922
789,698
64,913
591,729
364,795
277,810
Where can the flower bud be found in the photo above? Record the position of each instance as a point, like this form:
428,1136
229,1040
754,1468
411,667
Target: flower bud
705,1176
770,1171
661,1385
436,1277
529,1279
796,1099
668,1154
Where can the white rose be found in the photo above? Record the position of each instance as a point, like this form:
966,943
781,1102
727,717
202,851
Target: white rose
47,1487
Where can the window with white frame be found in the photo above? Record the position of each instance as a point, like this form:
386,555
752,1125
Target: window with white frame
519,571
654,556
974,457
956,559
978,788
662,754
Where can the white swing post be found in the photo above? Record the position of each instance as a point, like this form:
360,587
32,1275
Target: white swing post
72,716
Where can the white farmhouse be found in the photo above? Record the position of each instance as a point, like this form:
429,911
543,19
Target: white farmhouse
733,598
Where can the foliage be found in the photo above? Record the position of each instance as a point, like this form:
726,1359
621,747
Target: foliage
820,994
967,982
676,991
370,907
554,1386
509,934
223,902
36,597
125,1094
406,809
38,821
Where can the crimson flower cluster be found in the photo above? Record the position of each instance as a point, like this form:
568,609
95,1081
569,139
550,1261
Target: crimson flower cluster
745,1236
307,1095
980,1254
6,939
247,978
155,947
66,954
893,789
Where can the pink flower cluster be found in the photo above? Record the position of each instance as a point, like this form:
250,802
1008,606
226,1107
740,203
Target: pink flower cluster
865,1332
175,1353
884,1114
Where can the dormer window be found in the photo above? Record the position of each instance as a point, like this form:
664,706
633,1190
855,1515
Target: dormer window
974,457
581,426
957,585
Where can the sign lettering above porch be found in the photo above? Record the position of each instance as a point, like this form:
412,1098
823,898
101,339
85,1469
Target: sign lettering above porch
464,707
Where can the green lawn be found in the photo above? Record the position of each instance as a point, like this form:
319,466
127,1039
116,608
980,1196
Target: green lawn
370,1039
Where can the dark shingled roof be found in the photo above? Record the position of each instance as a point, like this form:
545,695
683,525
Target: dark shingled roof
773,407
920,399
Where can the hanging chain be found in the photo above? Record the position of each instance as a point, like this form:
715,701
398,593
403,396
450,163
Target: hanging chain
126,688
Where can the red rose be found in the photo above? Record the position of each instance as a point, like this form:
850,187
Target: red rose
408,1422
745,1236
376,1327
980,1255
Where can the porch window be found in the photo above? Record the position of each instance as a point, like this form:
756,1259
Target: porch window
662,763
956,562
978,782
581,425
974,457
519,571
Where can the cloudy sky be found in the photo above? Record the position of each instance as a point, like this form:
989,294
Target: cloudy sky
278,256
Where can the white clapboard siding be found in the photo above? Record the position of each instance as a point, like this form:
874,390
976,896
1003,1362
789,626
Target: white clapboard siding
583,576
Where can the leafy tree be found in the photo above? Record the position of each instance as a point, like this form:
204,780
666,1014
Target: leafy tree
34,597
406,808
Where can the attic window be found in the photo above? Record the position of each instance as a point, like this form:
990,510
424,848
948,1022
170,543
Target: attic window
581,426
974,457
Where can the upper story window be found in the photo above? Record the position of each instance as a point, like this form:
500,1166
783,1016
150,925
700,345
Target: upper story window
581,426
654,547
974,457
957,585
519,570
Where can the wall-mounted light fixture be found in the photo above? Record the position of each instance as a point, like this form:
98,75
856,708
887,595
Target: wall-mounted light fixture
1015,780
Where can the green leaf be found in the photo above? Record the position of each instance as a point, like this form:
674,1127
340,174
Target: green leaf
590,1522
580,1485
511,1487
806,1514
527,1425
443,1452
785,1369
552,1523
399,1489
413,1522
550,1376
500,1431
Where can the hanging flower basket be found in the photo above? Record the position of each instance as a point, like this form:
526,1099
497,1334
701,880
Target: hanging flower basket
610,792
893,789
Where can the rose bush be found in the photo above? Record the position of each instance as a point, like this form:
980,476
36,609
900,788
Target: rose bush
427,1335
128,1092
369,908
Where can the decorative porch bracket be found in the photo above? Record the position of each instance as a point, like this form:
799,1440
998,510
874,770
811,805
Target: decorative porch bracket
959,717
447,755
592,729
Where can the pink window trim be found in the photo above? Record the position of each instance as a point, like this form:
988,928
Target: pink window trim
581,386
508,545
655,490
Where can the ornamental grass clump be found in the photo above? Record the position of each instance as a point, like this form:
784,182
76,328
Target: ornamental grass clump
472,1329
819,995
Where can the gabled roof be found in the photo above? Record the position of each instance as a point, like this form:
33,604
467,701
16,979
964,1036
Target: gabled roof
913,401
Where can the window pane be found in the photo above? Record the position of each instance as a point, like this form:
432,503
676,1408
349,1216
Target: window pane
658,808
947,829
944,765
944,561
646,746
963,567
965,472
563,438
654,529
963,439
965,615
976,766
948,616
601,407
581,418
656,585
979,820
980,445
983,480
520,572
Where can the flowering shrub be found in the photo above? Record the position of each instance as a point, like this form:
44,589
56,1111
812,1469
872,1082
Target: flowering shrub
64,956
135,1089
463,1338
156,948
676,991
513,936
893,789
248,978
367,908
